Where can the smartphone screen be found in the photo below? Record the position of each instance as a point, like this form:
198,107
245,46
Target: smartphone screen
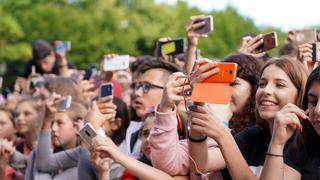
172,47
106,90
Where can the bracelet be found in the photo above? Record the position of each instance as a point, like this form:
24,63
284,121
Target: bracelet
275,155
196,140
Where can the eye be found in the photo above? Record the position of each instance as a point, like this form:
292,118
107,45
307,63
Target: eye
262,84
280,85
313,102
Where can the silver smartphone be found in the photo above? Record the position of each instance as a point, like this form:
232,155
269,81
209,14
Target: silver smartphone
87,133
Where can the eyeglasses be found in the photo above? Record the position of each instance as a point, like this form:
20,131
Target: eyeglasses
146,86
145,133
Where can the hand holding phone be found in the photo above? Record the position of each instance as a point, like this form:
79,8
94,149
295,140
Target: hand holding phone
87,133
66,103
270,41
207,26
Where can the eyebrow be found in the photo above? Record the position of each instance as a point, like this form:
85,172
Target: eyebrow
277,79
312,95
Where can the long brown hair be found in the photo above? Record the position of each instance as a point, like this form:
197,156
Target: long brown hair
298,76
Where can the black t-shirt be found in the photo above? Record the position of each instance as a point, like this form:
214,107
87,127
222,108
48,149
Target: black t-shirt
28,68
305,159
253,143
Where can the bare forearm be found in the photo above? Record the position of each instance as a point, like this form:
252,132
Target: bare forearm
140,169
104,175
190,58
273,166
199,154
236,164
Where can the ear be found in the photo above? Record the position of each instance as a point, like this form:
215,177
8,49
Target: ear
116,124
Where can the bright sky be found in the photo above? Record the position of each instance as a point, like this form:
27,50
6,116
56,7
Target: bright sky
284,14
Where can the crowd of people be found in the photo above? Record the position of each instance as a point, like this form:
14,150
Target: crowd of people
148,128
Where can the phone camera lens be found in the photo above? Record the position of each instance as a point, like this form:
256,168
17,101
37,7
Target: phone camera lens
230,72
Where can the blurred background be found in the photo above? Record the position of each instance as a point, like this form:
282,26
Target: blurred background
97,27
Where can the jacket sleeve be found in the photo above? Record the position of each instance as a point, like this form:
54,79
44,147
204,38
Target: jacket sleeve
167,152
47,161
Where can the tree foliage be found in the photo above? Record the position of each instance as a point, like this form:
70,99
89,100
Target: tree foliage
96,27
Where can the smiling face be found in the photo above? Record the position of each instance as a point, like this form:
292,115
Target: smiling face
275,91
314,105
240,95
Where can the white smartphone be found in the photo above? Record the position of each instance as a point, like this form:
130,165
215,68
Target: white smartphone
66,103
87,133
116,63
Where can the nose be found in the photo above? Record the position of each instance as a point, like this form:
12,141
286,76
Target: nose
317,109
138,92
54,127
268,89
19,117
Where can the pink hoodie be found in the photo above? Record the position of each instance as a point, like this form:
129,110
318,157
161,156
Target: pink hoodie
170,154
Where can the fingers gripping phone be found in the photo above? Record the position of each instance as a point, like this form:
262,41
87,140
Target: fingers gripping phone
87,133
66,103
106,90
316,51
227,73
270,41
207,27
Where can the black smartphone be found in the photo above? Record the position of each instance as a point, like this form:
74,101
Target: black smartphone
89,72
106,90
171,47
316,51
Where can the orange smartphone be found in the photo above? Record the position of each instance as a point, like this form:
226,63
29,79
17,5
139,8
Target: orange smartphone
227,73
216,93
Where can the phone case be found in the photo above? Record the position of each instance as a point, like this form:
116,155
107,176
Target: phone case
66,103
116,63
106,90
227,73
216,93
172,47
316,51
87,133
270,41
208,27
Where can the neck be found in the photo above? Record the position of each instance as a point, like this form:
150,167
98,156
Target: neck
30,139
71,144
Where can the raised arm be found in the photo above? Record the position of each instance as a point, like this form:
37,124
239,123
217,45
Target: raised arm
285,123
141,170
205,123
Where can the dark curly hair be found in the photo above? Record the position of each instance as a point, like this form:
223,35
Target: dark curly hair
249,70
